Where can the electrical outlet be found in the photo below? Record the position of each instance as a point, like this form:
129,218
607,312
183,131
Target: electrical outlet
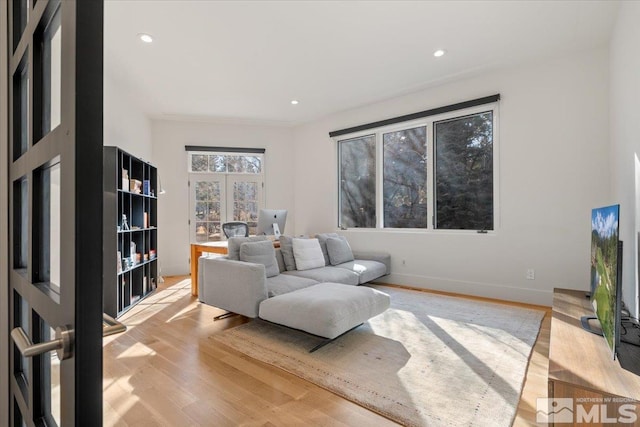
531,274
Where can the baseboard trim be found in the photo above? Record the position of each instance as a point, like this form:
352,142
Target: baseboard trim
489,291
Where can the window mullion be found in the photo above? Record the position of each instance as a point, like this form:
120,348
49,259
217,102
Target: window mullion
379,181
431,165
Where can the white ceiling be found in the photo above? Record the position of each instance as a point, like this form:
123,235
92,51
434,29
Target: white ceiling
247,60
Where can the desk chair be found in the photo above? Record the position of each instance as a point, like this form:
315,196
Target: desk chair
235,229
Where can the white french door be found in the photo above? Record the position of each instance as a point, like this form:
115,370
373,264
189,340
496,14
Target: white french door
218,198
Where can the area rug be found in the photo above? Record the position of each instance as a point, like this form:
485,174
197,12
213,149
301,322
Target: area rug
428,360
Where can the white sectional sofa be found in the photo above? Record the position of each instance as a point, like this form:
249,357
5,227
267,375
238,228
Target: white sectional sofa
239,286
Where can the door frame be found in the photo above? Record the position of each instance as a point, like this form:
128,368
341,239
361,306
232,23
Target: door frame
4,220
85,124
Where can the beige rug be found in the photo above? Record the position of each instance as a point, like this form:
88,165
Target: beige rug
429,360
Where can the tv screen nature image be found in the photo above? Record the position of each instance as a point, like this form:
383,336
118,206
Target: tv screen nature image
604,267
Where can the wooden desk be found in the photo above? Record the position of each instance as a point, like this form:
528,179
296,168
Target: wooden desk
211,247
580,363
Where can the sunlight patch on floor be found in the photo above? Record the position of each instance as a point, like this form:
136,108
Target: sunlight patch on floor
137,350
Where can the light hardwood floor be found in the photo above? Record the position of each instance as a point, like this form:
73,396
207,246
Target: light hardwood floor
165,370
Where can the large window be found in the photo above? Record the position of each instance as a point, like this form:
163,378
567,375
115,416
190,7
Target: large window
358,182
224,188
431,174
464,172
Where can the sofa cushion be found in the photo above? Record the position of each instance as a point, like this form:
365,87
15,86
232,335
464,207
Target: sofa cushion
233,247
366,270
382,257
328,274
286,247
326,309
260,253
322,238
339,250
307,253
284,283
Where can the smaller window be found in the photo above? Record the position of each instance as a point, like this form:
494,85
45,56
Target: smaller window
225,163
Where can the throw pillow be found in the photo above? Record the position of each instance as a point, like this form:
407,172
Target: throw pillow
286,249
322,238
339,250
260,253
233,246
307,253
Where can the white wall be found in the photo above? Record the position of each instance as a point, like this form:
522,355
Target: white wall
554,168
169,155
125,125
625,139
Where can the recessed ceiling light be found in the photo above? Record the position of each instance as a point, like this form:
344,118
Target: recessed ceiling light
438,53
145,37
294,102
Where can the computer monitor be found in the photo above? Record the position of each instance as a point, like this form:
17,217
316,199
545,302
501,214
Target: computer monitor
268,217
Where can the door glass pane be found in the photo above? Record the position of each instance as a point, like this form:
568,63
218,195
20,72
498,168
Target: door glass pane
50,368
21,110
20,18
405,178
47,247
358,182
207,211
18,420
245,203
20,223
51,74
21,319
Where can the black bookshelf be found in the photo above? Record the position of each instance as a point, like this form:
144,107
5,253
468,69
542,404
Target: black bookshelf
130,230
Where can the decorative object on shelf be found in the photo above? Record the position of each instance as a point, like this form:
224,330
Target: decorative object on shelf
146,187
135,186
125,179
132,253
152,254
145,220
119,265
125,226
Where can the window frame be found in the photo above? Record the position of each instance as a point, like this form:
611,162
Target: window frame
427,122
225,178
225,153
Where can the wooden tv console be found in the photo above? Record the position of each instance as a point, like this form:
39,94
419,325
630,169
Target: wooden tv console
580,363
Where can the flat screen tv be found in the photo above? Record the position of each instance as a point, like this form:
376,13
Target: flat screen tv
606,274
267,218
